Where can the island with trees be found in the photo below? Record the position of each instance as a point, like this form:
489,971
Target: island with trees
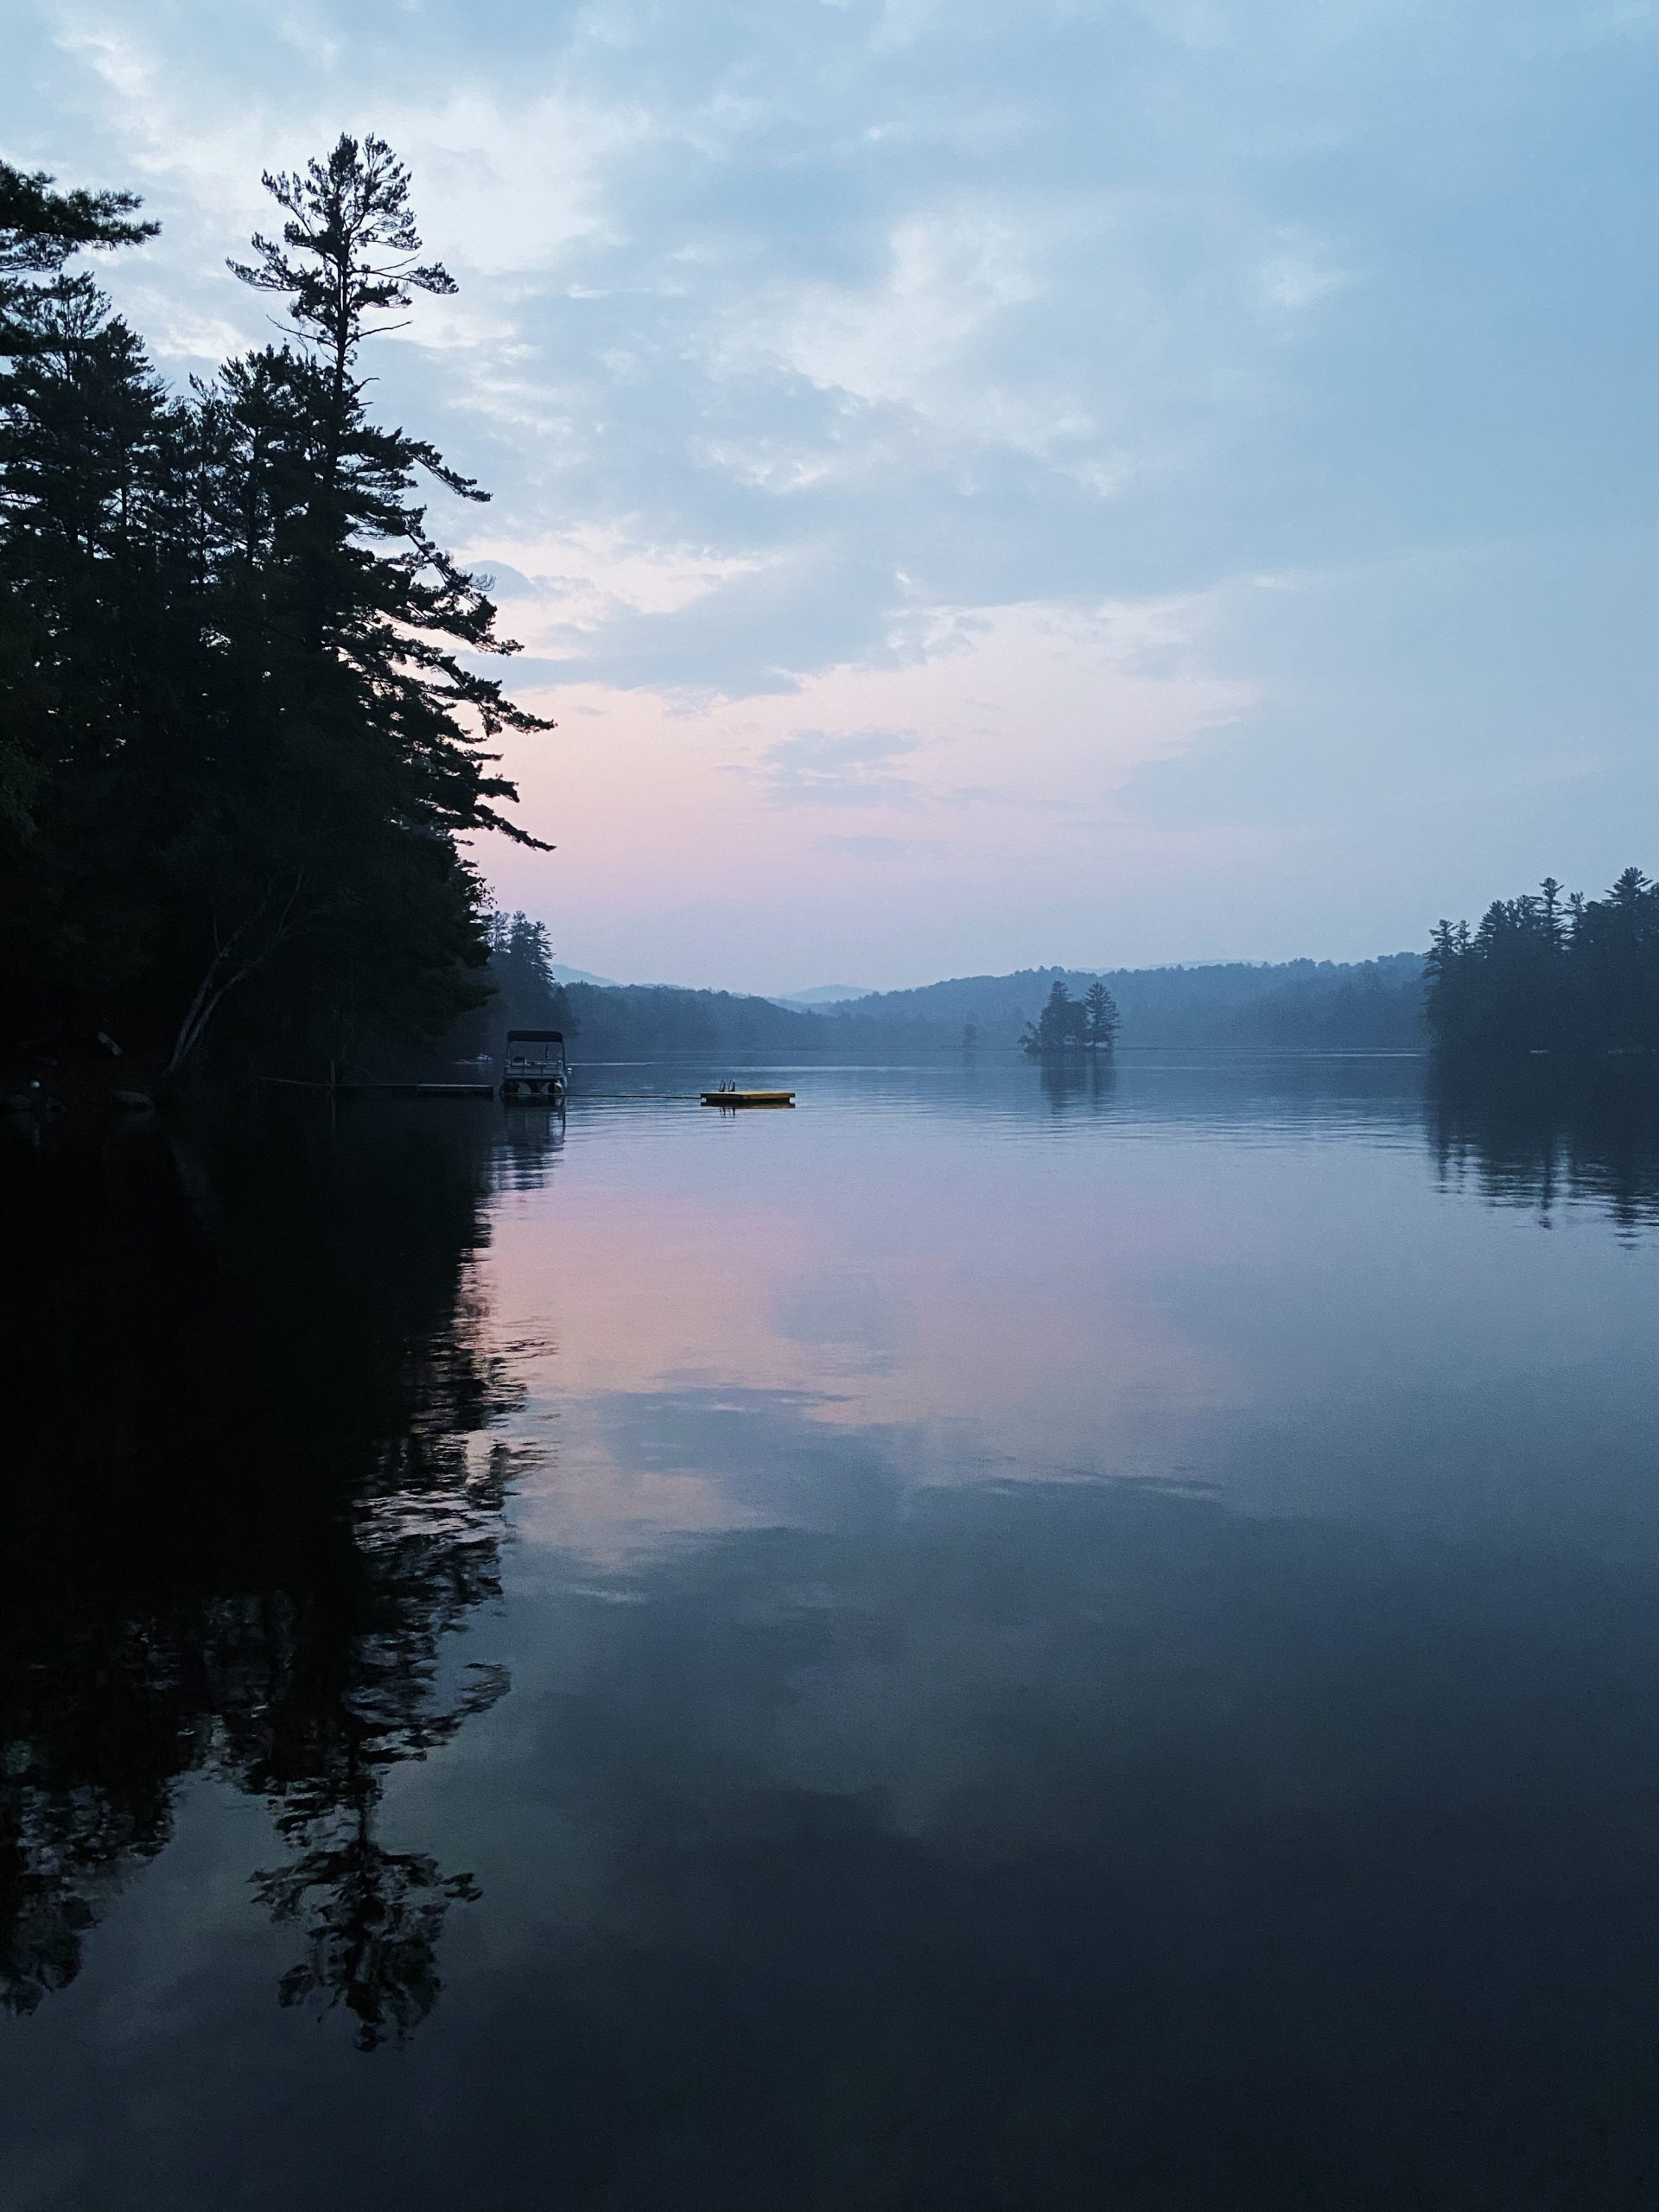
1067,1024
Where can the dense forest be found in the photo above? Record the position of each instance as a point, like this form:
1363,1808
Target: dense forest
1545,973
240,738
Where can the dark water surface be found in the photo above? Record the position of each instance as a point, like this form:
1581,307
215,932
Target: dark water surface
994,1641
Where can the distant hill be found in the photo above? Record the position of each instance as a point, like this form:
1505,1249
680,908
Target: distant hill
1307,1005
580,976
826,994
620,1021
1286,1004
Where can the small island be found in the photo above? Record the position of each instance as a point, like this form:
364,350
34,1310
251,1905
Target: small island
1067,1024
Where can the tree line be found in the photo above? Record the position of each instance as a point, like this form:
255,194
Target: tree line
241,738
1550,973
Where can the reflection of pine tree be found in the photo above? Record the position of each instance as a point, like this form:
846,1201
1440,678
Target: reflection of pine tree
1535,1136
275,1615
425,1558
372,1917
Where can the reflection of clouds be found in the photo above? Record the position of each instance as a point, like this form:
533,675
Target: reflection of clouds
766,1328
849,1317
1240,1278
1048,1788
637,1470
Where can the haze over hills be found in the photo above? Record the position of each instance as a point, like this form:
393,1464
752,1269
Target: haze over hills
562,975
1296,1005
1285,1003
823,995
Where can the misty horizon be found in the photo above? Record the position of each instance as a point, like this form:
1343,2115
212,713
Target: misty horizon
566,972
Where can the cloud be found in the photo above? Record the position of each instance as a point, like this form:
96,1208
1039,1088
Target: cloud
878,849
928,377
820,767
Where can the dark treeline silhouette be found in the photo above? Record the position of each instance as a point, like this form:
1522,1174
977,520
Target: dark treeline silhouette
523,994
624,1021
241,1516
1546,973
1069,1025
240,734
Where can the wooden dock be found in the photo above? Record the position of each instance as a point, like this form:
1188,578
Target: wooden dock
386,1090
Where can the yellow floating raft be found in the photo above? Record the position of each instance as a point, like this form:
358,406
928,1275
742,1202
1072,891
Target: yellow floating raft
748,1098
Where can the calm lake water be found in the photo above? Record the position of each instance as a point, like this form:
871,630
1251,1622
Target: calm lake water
997,1641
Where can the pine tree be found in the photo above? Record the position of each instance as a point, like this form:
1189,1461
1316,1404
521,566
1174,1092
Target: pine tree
1542,973
240,739
92,658
346,621
40,230
1062,1023
1100,1011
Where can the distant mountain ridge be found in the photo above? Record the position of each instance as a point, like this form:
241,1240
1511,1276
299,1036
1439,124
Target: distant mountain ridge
580,976
1283,1003
823,995
1306,1004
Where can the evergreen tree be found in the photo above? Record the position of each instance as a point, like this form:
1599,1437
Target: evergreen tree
382,731
1062,1025
521,975
1544,974
94,660
40,230
239,743
1100,1010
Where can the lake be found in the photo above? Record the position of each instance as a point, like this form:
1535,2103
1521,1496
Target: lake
1008,1638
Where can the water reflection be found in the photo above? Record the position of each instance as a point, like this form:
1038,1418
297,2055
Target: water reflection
1079,1079
1532,1138
530,1139
1081,1644
1061,1844
248,1497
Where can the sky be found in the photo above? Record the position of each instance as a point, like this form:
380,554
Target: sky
983,483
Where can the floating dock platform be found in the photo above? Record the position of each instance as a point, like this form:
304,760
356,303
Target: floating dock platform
748,1098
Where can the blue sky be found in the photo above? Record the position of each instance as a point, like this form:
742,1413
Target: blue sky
983,484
